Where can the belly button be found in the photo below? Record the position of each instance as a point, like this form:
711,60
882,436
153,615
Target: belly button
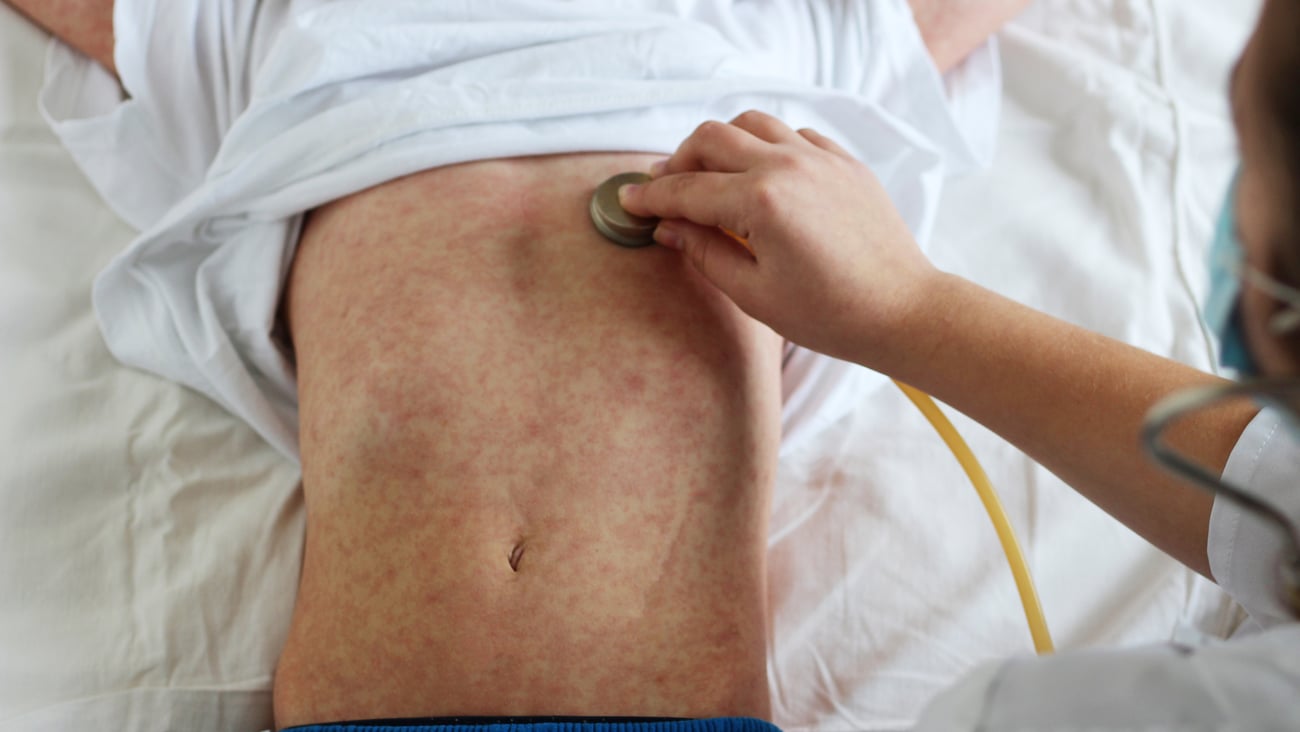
515,555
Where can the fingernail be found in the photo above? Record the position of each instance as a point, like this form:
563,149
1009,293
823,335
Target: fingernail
666,236
659,168
626,192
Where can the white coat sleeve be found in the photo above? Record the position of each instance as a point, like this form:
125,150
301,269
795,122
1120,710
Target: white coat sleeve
1244,685
1244,550
1251,683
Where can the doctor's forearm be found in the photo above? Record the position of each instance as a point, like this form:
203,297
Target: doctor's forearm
1072,400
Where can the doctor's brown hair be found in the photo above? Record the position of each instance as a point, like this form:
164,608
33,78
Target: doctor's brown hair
1279,104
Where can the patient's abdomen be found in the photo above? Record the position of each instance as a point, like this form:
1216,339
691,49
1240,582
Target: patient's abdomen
537,466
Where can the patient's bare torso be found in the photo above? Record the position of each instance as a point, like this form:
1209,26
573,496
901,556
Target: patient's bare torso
537,466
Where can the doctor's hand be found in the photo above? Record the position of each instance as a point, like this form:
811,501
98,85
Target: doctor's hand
830,265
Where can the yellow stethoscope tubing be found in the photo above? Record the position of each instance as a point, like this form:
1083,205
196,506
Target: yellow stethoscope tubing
1038,631
997,514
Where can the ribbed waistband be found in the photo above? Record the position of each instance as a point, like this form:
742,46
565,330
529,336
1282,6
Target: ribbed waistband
546,724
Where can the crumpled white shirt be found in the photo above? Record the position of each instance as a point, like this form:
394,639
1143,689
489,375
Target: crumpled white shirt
235,117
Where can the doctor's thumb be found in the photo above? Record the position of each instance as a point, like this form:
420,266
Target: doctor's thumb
721,259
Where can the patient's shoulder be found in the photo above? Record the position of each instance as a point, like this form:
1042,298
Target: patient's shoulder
952,29
86,25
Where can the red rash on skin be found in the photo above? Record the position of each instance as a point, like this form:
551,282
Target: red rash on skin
478,368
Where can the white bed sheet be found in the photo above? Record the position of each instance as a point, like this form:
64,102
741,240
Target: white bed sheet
149,542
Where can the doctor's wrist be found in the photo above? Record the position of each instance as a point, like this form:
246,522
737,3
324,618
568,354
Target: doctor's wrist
906,331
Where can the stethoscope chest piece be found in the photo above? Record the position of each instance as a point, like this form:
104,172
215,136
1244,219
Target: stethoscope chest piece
613,221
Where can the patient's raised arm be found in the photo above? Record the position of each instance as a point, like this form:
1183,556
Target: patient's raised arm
952,29
86,25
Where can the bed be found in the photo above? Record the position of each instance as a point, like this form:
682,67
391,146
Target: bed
150,542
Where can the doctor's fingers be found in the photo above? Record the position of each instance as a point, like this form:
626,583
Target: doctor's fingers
765,127
706,198
717,146
824,142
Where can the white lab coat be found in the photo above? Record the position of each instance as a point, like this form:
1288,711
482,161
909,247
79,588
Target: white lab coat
1251,682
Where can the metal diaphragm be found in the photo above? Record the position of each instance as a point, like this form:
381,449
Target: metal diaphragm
613,221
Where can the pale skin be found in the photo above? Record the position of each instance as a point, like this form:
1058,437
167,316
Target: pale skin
834,269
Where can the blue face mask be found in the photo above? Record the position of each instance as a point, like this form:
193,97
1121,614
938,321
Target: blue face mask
1222,310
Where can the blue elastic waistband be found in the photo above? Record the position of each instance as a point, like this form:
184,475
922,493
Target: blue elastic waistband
546,724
